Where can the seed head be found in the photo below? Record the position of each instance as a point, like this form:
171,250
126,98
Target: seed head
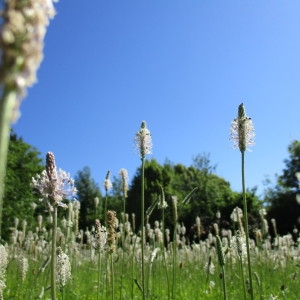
107,183
124,179
3,266
22,41
100,236
53,185
143,140
242,130
63,268
111,233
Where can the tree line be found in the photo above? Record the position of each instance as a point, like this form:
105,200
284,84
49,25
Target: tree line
212,199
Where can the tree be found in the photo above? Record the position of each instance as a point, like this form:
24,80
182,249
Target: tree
88,190
282,199
213,192
23,163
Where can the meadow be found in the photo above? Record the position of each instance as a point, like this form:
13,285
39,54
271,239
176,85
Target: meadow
114,259
180,270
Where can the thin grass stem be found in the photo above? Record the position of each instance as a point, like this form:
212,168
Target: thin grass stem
246,226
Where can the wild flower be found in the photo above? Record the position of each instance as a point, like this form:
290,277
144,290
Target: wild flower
23,267
63,268
3,266
236,215
100,236
107,183
242,130
238,245
124,180
162,200
111,224
22,42
53,185
143,140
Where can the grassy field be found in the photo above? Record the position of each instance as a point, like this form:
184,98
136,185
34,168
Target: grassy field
172,271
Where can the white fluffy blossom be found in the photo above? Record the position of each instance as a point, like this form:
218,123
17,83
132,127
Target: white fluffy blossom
143,140
54,186
242,130
22,41
3,266
63,268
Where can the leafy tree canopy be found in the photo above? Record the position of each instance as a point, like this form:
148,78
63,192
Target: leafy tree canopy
88,190
23,163
213,193
283,206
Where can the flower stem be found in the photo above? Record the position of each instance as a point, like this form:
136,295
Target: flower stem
7,104
53,254
163,250
142,224
246,225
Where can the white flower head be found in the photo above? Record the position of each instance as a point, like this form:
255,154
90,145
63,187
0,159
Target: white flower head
238,245
236,215
143,140
63,268
242,131
53,185
22,41
107,183
3,266
124,179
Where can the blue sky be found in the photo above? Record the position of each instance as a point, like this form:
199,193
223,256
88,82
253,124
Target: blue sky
183,67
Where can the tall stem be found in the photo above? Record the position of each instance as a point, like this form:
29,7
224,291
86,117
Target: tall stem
246,225
142,224
53,254
7,104
224,282
163,249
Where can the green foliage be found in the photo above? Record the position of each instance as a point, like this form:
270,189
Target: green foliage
288,179
283,206
88,190
213,193
23,163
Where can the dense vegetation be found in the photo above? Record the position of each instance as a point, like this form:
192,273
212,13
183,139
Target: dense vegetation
213,193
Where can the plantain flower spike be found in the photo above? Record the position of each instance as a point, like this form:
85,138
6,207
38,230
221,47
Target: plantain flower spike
143,140
22,36
242,130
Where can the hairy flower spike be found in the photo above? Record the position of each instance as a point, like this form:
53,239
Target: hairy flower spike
111,233
143,140
124,179
63,270
3,266
242,130
107,183
100,236
53,185
22,41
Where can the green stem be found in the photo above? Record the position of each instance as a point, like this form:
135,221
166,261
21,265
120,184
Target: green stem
53,254
246,225
163,250
99,274
112,277
243,277
142,226
105,207
174,260
224,282
7,104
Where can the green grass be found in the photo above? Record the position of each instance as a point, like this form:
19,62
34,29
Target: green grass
277,270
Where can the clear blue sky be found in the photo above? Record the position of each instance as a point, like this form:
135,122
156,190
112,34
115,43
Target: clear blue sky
183,67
